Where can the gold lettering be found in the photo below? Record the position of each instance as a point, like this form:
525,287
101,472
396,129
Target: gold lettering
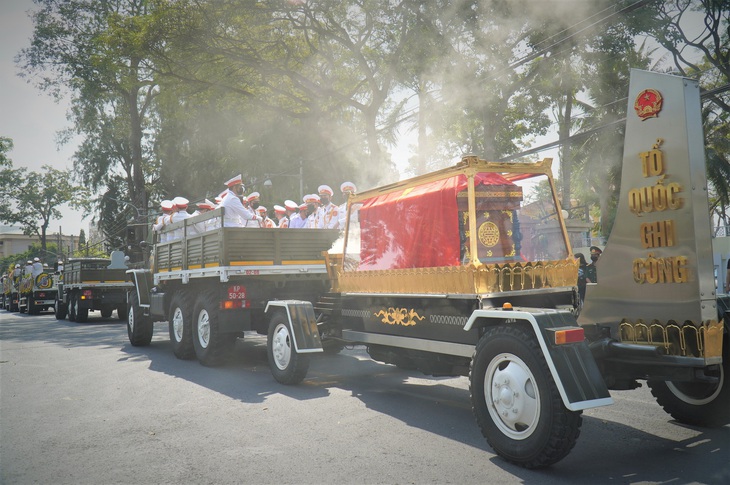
671,269
659,198
674,202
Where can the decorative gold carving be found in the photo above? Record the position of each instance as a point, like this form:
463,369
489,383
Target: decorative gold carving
399,316
488,234
688,340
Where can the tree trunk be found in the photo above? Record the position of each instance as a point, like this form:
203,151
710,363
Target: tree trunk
565,151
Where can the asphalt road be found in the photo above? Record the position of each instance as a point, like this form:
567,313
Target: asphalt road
79,404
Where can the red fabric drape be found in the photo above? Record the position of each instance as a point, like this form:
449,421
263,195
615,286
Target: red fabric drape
416,227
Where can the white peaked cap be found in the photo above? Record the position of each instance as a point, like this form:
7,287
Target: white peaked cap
279,209
238,179
180,202
290,204
348,187
253,196
261,209
325,189
166,204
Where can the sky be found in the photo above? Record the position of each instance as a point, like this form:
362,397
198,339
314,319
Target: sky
31,118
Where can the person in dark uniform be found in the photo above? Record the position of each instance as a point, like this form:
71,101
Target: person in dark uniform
591,271
582,264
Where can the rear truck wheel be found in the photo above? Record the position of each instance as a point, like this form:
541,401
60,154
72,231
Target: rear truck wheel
139,326
696,403
181,326
106,312
212,347
32,308
516,402
122,311
82,314
286,364
72,307
59,310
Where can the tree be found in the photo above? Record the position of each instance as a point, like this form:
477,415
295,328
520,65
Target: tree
100,51
32,199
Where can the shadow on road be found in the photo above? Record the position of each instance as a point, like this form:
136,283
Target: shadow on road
606,452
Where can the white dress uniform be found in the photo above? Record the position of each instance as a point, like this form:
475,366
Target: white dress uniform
180,214
234,213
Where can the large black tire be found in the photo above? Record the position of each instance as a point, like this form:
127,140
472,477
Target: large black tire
59,310
212,347
181,325
139,327
286,364
106,312
516,402
82,314
72,307
122,311
698,404
33,309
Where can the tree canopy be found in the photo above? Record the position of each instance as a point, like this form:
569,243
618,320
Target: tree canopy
173,98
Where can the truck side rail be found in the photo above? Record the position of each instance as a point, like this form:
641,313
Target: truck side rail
189,249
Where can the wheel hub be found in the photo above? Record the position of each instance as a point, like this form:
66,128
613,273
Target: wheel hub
177,324
510,389
281,347
204,329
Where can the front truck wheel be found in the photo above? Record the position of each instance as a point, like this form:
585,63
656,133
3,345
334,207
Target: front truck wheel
212,347
287,365
139,326
696,403
516,401
181,325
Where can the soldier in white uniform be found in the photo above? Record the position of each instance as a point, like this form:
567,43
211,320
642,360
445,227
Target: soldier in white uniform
328,213
298,219
234,213
203,226
180,213
281,217
312,213
347,189
265,220
37,267
252,203
163,219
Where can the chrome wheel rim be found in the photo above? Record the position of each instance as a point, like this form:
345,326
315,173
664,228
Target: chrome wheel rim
204,329
177,324
281,346
512,396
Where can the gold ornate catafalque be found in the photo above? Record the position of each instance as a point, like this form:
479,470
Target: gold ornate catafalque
469,279
686,340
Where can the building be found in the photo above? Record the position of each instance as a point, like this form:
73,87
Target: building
13,241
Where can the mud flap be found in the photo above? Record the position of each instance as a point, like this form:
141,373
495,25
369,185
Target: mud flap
142,279
302,323
572,366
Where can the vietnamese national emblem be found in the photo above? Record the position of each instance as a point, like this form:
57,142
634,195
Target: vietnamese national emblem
648,104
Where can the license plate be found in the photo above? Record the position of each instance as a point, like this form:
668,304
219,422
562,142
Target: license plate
236,292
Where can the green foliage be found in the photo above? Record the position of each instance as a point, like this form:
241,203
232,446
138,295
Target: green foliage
173,98
49,256
31,200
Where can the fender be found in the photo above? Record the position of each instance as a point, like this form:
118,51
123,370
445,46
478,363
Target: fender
142,279
572,366
302,324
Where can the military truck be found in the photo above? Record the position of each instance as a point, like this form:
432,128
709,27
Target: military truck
213,283
93,284
11,289
37,293
468,271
